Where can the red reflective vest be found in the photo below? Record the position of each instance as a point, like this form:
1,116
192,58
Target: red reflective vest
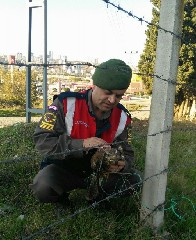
81,124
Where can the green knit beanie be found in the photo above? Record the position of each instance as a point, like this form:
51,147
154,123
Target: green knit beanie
113,74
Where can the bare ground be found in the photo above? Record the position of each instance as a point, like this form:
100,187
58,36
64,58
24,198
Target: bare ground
7,121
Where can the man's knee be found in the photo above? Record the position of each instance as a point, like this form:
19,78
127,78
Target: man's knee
43,192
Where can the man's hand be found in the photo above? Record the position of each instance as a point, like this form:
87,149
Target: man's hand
109,160
95,142
116,167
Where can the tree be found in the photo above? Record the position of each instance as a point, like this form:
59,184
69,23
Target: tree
147,59
66,89
13,87
186,78
186,91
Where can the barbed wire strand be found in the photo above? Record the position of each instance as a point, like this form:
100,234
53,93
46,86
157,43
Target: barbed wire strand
120,192
185,85
64,153
140,19
69,152
172,206
173,201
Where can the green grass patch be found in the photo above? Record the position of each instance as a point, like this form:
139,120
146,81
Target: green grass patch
22,215
12,112
15,112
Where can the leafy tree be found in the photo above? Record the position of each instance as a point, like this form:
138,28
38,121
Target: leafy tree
66,89
147,59
187,61
3,79
13,87
185,91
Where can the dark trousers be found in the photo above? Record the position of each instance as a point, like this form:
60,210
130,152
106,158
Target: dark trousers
52,181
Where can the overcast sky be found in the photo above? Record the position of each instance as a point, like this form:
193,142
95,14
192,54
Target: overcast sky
79,29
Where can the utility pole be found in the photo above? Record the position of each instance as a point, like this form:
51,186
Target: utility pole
161,113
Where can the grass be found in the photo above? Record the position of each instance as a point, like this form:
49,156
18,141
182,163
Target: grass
22,215
15,112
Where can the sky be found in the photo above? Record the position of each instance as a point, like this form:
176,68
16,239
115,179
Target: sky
82,30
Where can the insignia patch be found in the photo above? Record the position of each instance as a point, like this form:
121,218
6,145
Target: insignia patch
48,121
49,117
47,126
53,108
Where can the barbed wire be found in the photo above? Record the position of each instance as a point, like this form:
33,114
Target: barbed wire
173,202
163,131
172,207
114,195
140,19
185,85
142,136
65,153
167,80
68,152
29,64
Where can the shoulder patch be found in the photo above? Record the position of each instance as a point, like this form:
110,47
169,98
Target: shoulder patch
48,121
54,108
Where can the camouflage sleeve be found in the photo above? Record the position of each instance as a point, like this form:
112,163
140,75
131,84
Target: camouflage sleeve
50,136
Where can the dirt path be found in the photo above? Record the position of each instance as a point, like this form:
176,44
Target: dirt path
142,114
7,121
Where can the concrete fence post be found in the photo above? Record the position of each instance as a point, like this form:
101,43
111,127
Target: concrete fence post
161,113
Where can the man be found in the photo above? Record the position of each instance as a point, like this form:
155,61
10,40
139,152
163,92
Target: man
76,127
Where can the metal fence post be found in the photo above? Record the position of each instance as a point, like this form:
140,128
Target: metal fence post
29,108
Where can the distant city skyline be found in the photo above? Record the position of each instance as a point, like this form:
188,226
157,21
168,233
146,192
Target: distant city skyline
80,30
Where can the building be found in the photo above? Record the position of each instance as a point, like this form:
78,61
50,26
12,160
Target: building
136,88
